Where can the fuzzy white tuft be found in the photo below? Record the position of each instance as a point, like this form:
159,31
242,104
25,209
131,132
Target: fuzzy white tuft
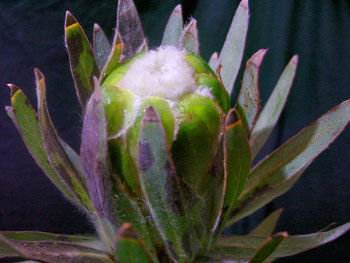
163,72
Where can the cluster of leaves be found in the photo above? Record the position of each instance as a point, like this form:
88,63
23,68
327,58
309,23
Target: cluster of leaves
162,234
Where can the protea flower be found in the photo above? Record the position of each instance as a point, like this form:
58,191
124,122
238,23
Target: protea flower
166,162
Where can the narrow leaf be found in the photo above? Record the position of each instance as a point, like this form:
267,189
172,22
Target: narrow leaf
27,124
94,157
213,60
232,52
161,186
129,211
86,241
130,248
266,227
286,164
113,58
189,38
268,247
248,102
262,196
130,28
244,247
271,112
101,46
70,174
81,58
237,161
173,29
53,251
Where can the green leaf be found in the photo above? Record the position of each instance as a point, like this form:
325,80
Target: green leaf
268,247
112,60
189,38
237,161
52,248
161,187
101,46
59,159
278,172
232,52
94,161
130,248
27,123
266,227
130,28
213,60
173,29
81,59
197,139
129,211
244,247
248,102
271,112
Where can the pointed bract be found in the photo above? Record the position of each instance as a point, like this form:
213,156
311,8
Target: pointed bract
101,46
70,174
189,38
232,52
248,102
173,29
94,156
269,116
130,28
81,58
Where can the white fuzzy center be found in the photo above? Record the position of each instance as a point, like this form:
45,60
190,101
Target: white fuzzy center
163,72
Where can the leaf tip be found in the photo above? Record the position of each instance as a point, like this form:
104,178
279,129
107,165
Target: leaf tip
280,235
257,58
39,76
295,59
70,19
244,4
232,117
13,88
150,115
178,10
127,231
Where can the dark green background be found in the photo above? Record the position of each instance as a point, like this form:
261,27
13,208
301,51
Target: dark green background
31,35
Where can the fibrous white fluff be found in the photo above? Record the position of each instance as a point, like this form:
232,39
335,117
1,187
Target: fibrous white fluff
163,72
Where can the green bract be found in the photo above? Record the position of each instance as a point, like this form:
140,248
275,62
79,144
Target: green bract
165,162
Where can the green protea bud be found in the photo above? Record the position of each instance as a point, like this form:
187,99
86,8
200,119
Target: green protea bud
187,96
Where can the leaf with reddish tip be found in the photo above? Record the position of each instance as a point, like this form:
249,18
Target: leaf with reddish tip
130,248
237,161
161,186
129,211
232,52
213,60
278,172
113,59
248,102
189,38
268,247
173,29
244,247
130,28
60,161
266,227
271,112
101,46
52,248
81,59
94,158
27,124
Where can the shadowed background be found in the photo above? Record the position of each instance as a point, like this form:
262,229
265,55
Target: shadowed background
31,35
